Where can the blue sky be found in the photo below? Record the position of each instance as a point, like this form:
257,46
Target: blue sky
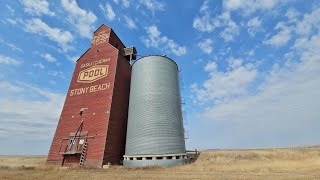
250,69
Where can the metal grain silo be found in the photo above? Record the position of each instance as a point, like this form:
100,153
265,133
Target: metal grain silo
155,135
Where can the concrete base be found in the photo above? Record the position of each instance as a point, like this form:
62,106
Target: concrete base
162,162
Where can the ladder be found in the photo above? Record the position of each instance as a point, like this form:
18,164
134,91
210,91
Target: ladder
83,153
74,137
71,142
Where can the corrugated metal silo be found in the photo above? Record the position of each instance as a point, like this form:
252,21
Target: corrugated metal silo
155,135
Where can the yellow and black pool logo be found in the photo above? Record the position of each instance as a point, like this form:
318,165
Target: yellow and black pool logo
93,73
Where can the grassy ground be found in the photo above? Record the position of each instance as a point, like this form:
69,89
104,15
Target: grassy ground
293,163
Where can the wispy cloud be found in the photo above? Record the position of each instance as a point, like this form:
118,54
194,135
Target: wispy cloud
48,57
37,26
37,7
126,3
223,85
287,93
247,7
10,45
10,8
282,37
81,19
292,14
153,5
73,58
154,39
254,25
130,23
11,21
38,65
206,45
231,28
57,74
8,60
24,117
204,22
309,23
108,11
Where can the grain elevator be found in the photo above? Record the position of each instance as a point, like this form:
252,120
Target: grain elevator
120,112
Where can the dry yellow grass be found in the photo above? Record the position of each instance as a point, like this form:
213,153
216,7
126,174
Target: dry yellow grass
28,161
291,163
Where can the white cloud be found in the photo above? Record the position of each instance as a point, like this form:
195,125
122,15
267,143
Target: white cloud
36,26
308,23
52,82
153,5
155,39
224,51
223,85
28,112
8,60
303,27
38,65
14,47
57,74
10,45
37,7
126,3
197,61
254,25
48,57
206,46
292,14
250,6
130,22
286,102
11,21
9,88
204,7
251,52
231,29
73,58
206,23
108,11
81,19
10,9
282,37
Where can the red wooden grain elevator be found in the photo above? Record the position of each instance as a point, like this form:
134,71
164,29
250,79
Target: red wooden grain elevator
92,127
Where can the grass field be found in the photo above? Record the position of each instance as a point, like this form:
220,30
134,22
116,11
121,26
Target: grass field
290,163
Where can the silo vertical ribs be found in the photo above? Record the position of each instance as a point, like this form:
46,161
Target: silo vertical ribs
155,134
